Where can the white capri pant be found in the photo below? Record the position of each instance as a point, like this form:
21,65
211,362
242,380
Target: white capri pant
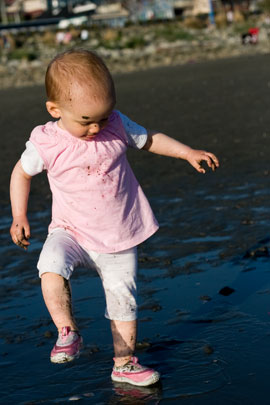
61,253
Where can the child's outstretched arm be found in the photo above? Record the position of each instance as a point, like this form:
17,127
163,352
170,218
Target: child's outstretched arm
162,144
19,193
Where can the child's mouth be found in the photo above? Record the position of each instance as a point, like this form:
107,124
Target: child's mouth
89,136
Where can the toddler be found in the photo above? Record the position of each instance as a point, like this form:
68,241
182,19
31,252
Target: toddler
99,211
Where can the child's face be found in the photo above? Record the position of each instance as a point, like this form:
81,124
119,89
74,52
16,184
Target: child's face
83,117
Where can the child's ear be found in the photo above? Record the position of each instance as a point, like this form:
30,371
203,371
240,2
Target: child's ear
53,109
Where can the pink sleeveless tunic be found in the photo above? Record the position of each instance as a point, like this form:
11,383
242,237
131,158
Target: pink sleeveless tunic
96,196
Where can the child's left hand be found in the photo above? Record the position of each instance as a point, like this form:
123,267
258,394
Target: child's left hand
196,157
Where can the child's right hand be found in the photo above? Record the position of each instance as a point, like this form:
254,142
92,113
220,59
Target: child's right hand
20,232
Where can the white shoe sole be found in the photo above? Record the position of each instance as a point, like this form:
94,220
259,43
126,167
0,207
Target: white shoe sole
63,358
152,380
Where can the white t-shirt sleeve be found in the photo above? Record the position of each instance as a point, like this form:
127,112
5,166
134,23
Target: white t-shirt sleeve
137,135
31,161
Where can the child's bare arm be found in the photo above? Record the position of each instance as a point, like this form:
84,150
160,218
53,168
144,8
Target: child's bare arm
19,192
164,145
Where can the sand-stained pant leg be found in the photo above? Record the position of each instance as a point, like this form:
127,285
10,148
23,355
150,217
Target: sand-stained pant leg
60,254
118,272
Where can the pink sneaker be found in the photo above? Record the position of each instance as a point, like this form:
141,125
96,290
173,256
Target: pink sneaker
135,374
67,347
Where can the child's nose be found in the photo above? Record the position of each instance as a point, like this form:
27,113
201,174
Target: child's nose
94,129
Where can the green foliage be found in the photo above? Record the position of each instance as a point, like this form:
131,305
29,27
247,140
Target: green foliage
120,42
173,33
265,5
20,54
240,28
108,44
135,42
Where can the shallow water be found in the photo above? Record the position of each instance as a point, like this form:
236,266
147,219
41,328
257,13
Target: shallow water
204,344
209,347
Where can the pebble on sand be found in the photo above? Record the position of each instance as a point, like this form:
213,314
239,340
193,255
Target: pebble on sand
226,291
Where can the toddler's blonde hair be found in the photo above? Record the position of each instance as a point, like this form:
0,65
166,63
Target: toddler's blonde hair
78,66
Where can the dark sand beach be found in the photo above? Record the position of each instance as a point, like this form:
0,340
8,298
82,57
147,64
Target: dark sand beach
210,343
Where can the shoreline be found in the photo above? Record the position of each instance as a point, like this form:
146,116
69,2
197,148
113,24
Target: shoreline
194,46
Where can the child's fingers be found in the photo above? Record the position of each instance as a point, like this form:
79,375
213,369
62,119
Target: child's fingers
26,231
204,158
214,160
14,239
17,241
23,240
14,234
198,157
23,243
211,160
19,238
208,160
198,166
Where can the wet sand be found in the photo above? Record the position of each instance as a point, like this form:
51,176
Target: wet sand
210,344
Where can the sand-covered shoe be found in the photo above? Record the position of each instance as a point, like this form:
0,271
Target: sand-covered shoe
67,347
135,374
